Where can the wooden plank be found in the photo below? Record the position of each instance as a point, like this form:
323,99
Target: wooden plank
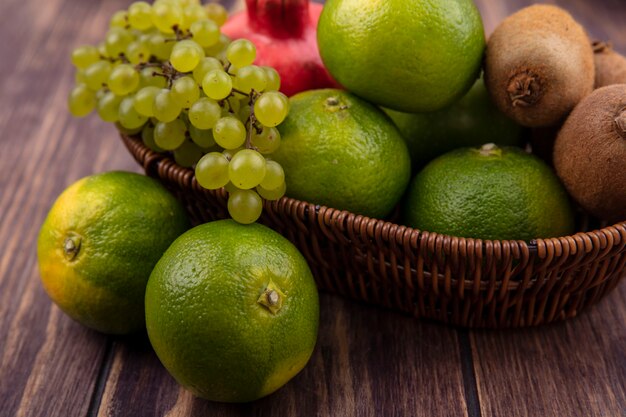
368,362
48,363
575,368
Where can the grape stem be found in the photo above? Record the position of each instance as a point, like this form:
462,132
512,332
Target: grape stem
169,72
252,122
234,90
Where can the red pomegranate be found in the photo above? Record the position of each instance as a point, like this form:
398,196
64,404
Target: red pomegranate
285,35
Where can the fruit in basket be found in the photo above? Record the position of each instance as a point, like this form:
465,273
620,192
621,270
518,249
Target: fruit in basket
407,55
343,152
167,73
471,121
539,65
590,153
610,66
98,244
489,193
284,33
232,311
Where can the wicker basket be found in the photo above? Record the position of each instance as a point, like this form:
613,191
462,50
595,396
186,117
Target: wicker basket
465,282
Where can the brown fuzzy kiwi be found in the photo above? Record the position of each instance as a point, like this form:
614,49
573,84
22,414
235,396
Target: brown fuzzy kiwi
590,153
539,65
610,66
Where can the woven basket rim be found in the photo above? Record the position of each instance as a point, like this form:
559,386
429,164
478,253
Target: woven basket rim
343,217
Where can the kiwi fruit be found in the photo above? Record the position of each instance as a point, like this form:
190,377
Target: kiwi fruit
590,153
539,65
610,66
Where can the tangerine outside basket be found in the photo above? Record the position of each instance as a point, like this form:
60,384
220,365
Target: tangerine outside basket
461,281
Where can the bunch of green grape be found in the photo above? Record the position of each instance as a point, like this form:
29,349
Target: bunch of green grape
166,72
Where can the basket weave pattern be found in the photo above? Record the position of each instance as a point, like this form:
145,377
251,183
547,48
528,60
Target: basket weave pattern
461,281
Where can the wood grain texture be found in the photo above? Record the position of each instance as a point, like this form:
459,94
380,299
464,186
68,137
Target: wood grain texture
48,363
569,369
367,362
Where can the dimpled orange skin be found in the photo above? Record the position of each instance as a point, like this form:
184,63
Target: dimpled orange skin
205,320
407,55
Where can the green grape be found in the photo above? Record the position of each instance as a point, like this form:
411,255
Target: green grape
144,100
166,15
187,154
143,37
205,32
185,91
217,84
193,13
247,169
126,131
79,77
204,113
140,15
160,47
251,78
273,79
128,116
244,110
219,49
271,108
201,137
229,132
183,114
231,106
147,137
81,101
241,53
212,171
116,41
97,74
108,107
185,3
274,175
119,19
245,206
170,136
205,65
216,13
229,153
84,56
267,141
186,55
124,79
137,52
149,76
165,108
274,194
230,188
